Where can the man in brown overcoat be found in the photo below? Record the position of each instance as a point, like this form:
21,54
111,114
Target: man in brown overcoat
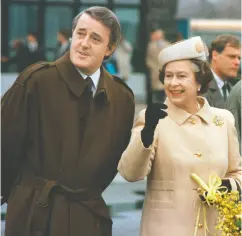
64,127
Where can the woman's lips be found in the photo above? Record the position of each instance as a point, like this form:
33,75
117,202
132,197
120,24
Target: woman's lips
176,92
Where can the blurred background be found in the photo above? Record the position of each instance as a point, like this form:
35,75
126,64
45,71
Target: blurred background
45,27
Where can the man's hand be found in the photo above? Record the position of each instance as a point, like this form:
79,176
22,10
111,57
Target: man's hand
153,113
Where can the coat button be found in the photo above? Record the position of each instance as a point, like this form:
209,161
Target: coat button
61,169
198,154
200,225
192,121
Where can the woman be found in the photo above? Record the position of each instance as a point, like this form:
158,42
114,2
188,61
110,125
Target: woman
192,138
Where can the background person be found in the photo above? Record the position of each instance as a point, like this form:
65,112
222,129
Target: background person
233,104
156,44
225,54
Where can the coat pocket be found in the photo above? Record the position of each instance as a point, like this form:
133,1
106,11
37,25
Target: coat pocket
160,194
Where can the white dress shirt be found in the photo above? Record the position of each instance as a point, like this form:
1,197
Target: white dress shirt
95,79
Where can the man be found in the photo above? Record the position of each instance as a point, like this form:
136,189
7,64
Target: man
36,52
234,105
64,127
64,44
21,57
123,56
156,44
225,61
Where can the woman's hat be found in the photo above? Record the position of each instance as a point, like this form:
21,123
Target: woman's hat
193,48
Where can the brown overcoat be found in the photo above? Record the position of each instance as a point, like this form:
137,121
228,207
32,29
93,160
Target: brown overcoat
63,148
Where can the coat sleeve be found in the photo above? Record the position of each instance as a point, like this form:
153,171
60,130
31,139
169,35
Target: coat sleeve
13,133
136,161
234,172
234,106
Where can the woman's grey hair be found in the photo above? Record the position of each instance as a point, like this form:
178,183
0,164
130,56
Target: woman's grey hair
202,71
107,18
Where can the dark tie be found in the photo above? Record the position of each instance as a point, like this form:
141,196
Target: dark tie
89,84
226,90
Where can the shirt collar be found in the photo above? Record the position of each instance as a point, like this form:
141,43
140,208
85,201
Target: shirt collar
180,116
95,77
219,81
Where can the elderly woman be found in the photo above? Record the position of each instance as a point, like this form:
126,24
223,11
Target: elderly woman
191,137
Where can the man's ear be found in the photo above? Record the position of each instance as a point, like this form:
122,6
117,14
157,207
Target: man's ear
215,55
110,50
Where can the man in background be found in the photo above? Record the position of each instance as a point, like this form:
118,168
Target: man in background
64,43
156,44
225,61
234,105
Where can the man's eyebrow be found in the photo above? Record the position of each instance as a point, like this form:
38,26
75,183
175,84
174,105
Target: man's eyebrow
81,29
96,35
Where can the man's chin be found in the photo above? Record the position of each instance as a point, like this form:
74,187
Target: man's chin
232,76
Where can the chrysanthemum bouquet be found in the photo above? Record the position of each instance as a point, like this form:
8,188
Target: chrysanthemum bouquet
228,204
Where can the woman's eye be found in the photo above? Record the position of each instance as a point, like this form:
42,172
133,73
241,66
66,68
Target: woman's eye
96,39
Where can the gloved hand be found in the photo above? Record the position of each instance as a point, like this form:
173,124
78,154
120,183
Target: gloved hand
153,113
225,183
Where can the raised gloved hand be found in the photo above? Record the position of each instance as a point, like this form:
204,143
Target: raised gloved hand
153,113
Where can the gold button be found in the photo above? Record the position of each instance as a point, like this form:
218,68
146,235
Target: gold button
198,154
192,121
200,225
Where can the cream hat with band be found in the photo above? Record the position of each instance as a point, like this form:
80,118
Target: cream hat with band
193,48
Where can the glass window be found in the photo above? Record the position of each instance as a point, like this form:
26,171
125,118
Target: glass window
22,19
56,18
59,0
128,1
129,20
94,1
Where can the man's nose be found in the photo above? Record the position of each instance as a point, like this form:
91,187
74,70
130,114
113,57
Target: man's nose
237,61
85,42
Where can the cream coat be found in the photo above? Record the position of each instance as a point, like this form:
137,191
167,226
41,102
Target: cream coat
183,144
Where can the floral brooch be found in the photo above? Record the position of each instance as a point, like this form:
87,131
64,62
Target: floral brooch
218,121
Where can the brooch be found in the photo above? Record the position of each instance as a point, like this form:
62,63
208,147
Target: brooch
218,121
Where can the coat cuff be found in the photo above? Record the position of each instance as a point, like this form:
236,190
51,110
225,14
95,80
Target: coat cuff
231,184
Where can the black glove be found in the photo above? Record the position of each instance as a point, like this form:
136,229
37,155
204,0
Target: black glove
225,183
152,115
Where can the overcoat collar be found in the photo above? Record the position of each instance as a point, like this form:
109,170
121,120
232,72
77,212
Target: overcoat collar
76,83
180,116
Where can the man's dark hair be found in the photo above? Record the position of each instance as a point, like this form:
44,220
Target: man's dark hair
220,42
203,76
107,18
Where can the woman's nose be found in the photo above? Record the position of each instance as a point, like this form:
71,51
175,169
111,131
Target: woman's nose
174,81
